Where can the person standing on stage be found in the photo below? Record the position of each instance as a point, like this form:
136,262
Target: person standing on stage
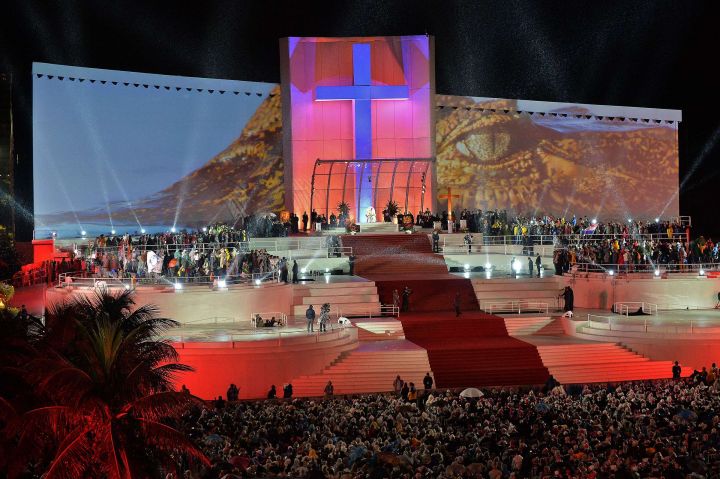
569,296
396,298
530,266
296,277
310,318
351,261
457,304
436,241
406,299
428,381
538,264
468,241
305,221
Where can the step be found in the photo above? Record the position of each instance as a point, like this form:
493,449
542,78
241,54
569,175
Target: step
337,291
359,298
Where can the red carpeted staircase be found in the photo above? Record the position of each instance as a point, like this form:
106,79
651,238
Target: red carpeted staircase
474,350
394,254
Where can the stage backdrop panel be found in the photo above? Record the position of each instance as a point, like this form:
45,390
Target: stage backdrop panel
128,151
550,158
354,98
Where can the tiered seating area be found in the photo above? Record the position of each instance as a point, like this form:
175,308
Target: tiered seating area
350,298
502,291
601,362
400,254
372,367
475,350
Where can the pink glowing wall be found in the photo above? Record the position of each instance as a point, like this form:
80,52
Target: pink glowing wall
325,129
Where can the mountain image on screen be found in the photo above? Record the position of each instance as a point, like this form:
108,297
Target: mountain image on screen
246,177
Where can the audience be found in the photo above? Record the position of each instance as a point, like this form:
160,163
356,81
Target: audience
648,429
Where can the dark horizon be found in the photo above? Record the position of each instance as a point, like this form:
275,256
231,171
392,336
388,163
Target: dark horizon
646,54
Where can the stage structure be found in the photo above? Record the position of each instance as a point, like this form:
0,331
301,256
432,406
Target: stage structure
355,101
402,180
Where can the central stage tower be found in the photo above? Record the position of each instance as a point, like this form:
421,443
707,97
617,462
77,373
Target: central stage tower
356,101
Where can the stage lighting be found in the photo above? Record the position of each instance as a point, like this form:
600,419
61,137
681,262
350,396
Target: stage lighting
488,265
629,220
467,267
83,232
303,270
657,272
142,230
702,272
257,282
516,266
112,232
327,270
127,286
611,272
177,286
466,274
222,283
657,220
54,234
204,229
594,221
172,230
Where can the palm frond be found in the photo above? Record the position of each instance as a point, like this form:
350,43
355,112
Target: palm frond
160,405
165,438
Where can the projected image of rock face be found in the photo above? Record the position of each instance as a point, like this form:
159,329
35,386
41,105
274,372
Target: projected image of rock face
553,164
125,158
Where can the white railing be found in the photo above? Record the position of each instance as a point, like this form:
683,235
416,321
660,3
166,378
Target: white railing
555,239
280,318
240,339
608,323
623,307
656,269
514,306
385,310
130,282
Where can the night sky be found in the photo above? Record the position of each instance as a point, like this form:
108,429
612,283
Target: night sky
647,53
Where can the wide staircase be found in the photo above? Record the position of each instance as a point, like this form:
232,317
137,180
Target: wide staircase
501,295
474,350
370,368
378,329
348,298
601,362
525,325
398,254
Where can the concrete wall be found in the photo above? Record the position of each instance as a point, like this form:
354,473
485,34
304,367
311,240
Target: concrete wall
601,291
255,365
194,303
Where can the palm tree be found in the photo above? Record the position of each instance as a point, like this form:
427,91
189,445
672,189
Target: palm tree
106,380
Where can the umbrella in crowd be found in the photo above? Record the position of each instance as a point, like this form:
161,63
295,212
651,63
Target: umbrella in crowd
471,393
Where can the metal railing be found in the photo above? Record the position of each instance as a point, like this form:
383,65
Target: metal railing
384,311
514,306
240,339
609,323
623,307
129,282
280,318
657,269
556,239
268,244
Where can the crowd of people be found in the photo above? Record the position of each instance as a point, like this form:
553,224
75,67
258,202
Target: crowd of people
630,254
647,429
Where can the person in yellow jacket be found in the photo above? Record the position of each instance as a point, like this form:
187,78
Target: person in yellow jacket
412,394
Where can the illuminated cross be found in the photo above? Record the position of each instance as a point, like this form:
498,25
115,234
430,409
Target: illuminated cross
449,197
362,93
